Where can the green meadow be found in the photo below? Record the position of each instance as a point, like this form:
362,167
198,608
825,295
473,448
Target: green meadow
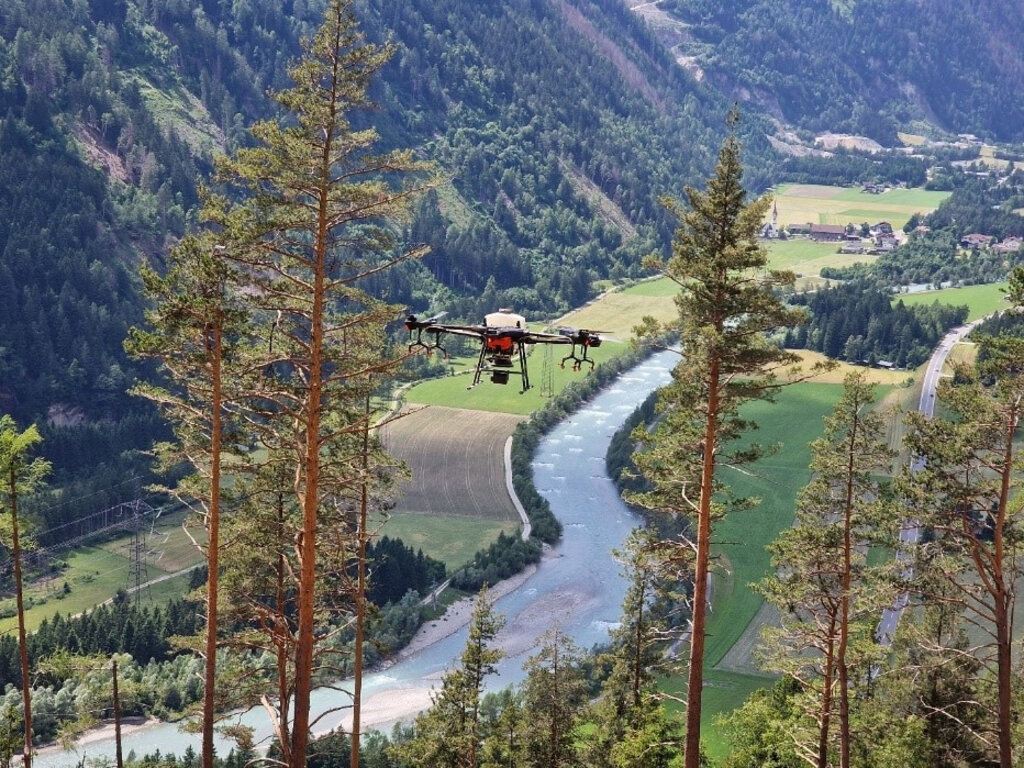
94,573
453,540
93,576
789,424
806,258
981,300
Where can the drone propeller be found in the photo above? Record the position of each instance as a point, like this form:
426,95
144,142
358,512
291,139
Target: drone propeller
582,336
565,330
414,323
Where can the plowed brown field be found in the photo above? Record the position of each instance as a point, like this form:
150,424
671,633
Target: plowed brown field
457,462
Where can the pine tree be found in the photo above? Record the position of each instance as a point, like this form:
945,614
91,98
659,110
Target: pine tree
449,732
964,489
829,598
629,703
20,475
506,729
932,684
727,304
554,694
193,330
316,221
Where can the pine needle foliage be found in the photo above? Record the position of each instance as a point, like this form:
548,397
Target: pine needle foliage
728,304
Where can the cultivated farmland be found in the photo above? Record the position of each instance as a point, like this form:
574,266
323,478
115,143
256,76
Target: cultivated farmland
816,204
457,462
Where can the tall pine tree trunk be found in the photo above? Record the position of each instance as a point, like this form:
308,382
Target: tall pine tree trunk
213,547
26,681
844,598
825,711
310,491
695,678
1003,601
360,596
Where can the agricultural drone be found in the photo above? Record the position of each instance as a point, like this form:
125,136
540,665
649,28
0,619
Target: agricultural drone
503,337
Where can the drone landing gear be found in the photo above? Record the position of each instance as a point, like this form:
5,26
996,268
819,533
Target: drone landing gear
577,361
430,346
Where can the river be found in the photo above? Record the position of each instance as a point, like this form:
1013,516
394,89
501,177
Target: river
578,588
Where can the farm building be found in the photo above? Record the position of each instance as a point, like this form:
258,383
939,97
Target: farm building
975,240
828,233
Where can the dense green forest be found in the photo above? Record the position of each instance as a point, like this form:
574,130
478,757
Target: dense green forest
862,325
871,67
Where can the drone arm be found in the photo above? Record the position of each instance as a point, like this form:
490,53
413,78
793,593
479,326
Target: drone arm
419,342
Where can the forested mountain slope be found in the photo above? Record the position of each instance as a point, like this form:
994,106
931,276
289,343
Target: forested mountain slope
559,123
865,66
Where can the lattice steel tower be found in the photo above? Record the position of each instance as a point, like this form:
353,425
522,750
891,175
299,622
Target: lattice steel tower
138,565
547,375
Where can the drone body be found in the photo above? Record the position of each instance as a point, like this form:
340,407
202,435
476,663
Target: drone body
503,338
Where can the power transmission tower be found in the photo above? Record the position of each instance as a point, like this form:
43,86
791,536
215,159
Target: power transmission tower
547,376
138,567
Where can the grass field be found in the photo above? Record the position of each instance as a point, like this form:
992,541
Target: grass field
453,540
723,692
817,204
169,548
618,312
981,300
840,370
455,502
740,541
94,573
793,421
807,258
